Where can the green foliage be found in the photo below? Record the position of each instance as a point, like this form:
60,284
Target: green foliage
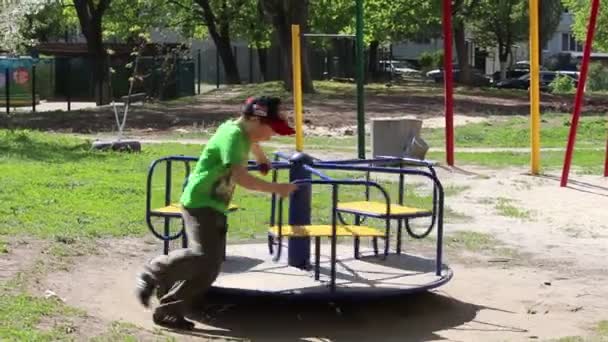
550,14
598,77
562,84
581,10
503,23
431,60
384,20
129,20
23,24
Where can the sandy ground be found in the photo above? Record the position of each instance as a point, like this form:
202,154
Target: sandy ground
552,286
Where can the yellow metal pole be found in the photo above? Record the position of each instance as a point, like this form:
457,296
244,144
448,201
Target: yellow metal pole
297,85
534,88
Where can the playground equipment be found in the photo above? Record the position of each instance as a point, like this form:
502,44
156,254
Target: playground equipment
267,270
580,92
264,268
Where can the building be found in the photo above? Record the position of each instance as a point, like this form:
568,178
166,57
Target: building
563,41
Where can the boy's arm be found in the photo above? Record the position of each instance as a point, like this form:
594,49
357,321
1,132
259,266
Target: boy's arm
243,178
260,156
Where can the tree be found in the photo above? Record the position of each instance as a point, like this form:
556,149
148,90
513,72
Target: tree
282,14
90,16
25,23
218,16
504,23
464,11
581,11
550,15
385,21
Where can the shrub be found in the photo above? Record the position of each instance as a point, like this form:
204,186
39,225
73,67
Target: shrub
562,84
598,77
431,60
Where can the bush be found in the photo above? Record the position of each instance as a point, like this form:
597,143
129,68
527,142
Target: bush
431,60
598,77
562,84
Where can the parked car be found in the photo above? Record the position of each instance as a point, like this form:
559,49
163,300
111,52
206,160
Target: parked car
399,68
478,78
517,70
546,77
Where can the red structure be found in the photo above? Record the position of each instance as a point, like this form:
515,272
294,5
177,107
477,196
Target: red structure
580,93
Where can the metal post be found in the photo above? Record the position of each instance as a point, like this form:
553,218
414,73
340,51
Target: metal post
7,86
448,81
299,210
34,88
217,68
534,88
297,85
67,87
580,92
199,71
250,64
606,161
167,202
360,102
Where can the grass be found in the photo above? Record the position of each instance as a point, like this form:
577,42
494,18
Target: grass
57,187
583,161
599,334
126,332
515,132
21,315
505,208
471,241
3,247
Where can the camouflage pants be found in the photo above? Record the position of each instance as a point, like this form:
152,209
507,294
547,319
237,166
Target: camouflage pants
188,273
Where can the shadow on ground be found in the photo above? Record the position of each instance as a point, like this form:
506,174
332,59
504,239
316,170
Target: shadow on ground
417,317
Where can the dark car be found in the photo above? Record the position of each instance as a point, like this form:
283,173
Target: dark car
477,77
546,77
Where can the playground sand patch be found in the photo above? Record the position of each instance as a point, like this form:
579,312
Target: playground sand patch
20,254
480,303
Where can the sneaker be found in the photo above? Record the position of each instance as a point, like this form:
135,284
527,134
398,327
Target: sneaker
172,321
144,288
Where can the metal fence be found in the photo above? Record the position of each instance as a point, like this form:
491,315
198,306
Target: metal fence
59,82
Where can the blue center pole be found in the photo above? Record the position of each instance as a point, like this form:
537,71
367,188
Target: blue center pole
299,210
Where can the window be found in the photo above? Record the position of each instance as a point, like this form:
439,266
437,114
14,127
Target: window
569,43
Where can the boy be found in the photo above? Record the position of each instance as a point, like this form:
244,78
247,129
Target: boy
190,272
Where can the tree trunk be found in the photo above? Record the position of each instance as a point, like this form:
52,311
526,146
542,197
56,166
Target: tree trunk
283,14
503,57
462,53
90,18
100,67
231,68
372,66
222,41
263,61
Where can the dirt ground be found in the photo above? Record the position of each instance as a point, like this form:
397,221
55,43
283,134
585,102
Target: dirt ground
320,112
550,286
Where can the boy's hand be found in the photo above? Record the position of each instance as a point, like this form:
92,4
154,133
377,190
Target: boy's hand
264,168
285,189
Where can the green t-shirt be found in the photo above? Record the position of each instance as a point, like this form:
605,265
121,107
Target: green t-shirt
210,184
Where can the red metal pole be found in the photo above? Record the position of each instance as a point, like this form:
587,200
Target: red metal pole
606,162
448,80
580,92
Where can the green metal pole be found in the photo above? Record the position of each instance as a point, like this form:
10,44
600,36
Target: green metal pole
360,75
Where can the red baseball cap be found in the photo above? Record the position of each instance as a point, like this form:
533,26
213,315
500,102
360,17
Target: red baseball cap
267,109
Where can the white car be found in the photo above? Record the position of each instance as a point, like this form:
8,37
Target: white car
400,68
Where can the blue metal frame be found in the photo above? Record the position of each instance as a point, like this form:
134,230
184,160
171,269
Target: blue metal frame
166,236
334,184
